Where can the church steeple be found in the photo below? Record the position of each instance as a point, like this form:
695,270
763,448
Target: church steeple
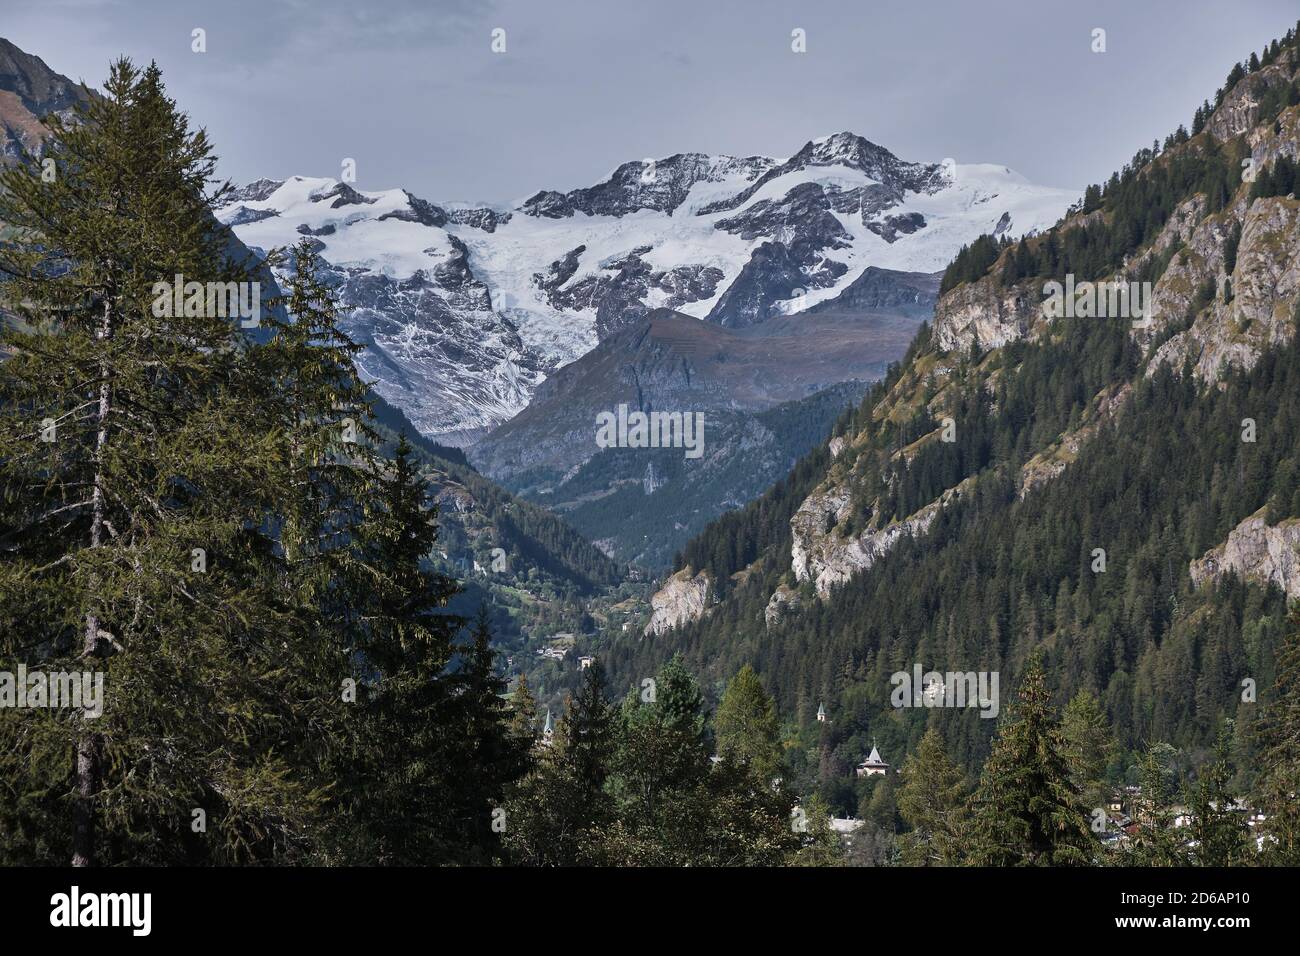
874,765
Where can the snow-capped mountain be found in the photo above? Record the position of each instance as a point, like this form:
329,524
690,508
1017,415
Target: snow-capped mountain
465,310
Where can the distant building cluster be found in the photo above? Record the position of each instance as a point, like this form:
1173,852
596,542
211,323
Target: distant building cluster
558,647
1124,817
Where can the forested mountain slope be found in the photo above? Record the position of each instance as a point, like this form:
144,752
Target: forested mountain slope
955,518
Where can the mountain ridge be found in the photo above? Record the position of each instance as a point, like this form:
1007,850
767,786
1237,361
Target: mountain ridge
466,310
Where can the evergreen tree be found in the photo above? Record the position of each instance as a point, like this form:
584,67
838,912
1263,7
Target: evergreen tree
1219,831
1157,841
662,750
402,781
523,714
932,802
137,476
493,755
879,807
746,725
1027,811
821,845
555,815
1085,731
1279,754
675,807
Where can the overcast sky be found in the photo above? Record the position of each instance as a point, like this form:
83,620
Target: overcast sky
414,92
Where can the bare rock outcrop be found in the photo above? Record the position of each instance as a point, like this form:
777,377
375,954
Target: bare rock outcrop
1239,111
1256,551
683,599
983,313
821,553
784,600
1265,285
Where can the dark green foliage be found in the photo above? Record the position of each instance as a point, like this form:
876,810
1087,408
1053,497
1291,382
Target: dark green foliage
1089,745
492,753
746,725
209,528
1219,832
972,261
997,575
637,786
932,801
170,437
1157,842
1279,753
1027,812
1280,178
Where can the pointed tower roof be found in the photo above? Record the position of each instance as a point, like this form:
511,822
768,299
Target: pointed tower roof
874,757
548,729
821,710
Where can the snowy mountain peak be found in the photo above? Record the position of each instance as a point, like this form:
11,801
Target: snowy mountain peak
661,185
504,296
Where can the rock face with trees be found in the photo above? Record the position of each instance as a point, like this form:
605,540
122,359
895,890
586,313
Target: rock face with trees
1112,495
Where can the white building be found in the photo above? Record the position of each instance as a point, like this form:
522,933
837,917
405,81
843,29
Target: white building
873,766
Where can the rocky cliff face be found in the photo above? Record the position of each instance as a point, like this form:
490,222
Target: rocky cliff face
683,598
1239,111
1264,285
1256,551
1252,308
785,600
983,314
821,553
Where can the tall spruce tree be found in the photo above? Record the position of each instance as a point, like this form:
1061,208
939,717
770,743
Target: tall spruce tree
554,815
523,714
1218,829
1027,811
821,844
1088,746
932,801
400,781
1157,841
493,755
662,748
1279,754
675,806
